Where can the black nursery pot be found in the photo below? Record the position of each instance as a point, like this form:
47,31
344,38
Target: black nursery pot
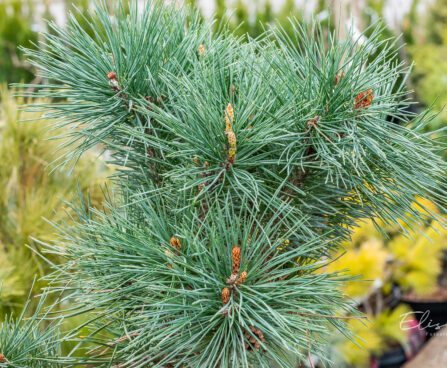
393,358
432,316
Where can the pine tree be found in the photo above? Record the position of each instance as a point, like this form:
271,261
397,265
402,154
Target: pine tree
241,165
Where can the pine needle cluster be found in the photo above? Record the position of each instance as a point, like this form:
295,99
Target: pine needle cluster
241,164
29,342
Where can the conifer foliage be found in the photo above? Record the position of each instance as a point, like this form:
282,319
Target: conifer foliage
29,342
241,163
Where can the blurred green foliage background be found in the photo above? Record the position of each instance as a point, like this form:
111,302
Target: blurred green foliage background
30,193
15,29
31,197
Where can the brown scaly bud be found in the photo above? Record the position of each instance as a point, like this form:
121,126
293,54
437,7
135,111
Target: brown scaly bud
113,80
161,98
255,342
231,139
242,278
175,242
225,295
339,77
201,50
2,358
111,75
230,112
206,164
228,125
229,118
201,186
165,60
364,99
312,123
236,258
196,160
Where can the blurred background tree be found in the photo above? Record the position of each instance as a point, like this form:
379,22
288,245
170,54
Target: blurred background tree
429,53
390,265
15,29
31,197
21,22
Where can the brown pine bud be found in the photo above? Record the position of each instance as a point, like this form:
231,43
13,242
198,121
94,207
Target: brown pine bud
236,258
364,99
312,123
225,295
230,112
231,139
113,80
2,358
242,278
255,341
175,242
201,50
228,125
206,164
196,160
258,334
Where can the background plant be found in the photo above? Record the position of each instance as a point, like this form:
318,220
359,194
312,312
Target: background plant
385,260
428,51
32,197
15,30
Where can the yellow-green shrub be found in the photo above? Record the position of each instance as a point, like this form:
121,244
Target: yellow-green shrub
412,261
31,196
